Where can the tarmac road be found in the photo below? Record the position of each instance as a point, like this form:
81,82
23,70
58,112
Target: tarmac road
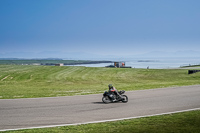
37,112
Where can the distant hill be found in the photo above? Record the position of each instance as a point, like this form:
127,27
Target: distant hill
49,55
48,62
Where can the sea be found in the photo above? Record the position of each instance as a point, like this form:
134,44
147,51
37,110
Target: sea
151,63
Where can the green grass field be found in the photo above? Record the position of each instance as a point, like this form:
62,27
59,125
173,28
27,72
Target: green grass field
27,81
187,122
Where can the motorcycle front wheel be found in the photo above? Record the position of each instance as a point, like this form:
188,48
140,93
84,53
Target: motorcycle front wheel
106,99
125,99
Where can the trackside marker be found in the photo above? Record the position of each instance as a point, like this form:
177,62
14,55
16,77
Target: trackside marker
101,120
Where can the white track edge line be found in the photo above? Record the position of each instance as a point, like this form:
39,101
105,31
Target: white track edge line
101,120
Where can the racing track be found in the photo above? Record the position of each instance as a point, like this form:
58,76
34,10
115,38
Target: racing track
41,112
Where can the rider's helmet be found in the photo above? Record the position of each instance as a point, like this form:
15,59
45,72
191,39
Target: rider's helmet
110,86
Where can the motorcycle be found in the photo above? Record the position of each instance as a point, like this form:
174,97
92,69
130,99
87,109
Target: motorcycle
112,97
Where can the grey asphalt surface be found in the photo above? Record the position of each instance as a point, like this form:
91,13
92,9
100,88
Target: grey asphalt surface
36,112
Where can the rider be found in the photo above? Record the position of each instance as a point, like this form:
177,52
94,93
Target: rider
113,90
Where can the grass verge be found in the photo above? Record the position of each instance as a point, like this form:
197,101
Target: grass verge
186,122
18,81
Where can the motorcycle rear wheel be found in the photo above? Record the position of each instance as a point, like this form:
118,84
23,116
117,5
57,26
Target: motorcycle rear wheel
106,99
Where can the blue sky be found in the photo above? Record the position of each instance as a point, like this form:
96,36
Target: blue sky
104,27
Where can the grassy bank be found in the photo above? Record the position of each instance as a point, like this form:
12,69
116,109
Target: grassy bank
187,122
18,81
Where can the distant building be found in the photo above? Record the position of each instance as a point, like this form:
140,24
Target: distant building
59,64
119,65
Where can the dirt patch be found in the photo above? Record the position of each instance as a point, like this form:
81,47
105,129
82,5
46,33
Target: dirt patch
5,78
